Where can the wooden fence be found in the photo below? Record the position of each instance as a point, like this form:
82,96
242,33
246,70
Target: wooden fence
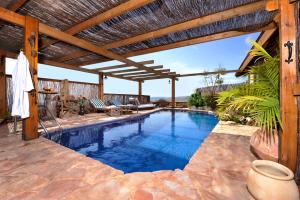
76,89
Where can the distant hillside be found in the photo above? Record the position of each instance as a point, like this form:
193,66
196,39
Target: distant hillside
220,88
203,90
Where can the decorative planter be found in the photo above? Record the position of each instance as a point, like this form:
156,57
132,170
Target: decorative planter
81,110
270,180
265,146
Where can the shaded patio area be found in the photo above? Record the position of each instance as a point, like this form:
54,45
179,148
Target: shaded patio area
74,34
217,170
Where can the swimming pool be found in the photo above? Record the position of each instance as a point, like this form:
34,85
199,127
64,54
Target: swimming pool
163,140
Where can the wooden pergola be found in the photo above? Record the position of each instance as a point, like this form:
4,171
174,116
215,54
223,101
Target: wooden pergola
71,34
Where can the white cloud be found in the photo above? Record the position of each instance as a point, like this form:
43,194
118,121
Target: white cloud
183,68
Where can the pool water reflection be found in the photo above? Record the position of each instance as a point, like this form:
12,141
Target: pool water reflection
164,140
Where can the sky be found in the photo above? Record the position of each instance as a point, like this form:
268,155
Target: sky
227,53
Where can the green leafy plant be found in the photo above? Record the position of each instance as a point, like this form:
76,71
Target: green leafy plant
210,101
81,101
259,99
196,100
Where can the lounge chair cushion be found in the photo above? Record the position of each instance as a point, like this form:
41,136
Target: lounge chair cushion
146,105
116,102
97,103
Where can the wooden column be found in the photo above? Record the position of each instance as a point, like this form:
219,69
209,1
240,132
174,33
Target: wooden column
30,125
297,90
173,93
100,87
288,73
3,98
140,90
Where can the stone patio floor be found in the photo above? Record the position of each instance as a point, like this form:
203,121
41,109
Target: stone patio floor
41,169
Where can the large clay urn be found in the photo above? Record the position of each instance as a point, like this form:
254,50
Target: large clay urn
265,145
269,180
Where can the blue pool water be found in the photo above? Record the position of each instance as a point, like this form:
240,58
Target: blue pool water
163,140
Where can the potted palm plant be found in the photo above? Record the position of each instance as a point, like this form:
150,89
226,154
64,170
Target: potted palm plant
258,100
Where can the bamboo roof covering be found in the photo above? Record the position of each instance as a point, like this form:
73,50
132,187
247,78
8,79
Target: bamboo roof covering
127,28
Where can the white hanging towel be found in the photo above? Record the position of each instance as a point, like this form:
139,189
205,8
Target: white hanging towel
22,84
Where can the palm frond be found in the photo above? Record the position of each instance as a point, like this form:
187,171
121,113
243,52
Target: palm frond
260,99
258,50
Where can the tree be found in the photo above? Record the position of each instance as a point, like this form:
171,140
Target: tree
212,83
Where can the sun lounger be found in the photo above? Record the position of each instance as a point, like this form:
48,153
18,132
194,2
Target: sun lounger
117,103
100,106
135,103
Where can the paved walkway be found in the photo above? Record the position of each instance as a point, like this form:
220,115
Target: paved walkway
41,169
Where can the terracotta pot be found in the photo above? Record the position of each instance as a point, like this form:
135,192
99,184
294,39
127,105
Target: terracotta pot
265,145
270,180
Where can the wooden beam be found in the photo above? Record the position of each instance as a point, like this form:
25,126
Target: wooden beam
179,27
136,74
114,12
296,89
46,62
30,125
288,78
272,5
145,74
209,38
52,32
77,54
16,5
3,97
154,77
191,74
140,90
206,73
91,62
61,65
263,38
136,70
101,87
100,18
141,78
173,104
219,16
167,71
122,65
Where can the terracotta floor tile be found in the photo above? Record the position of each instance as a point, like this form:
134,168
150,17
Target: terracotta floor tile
41,169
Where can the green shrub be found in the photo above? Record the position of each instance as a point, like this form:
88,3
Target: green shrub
196,100
258,100
210,101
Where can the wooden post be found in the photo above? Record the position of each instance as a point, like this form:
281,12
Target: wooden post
65,91
100,87
3,98
30,125
288,73
140,91
173,93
